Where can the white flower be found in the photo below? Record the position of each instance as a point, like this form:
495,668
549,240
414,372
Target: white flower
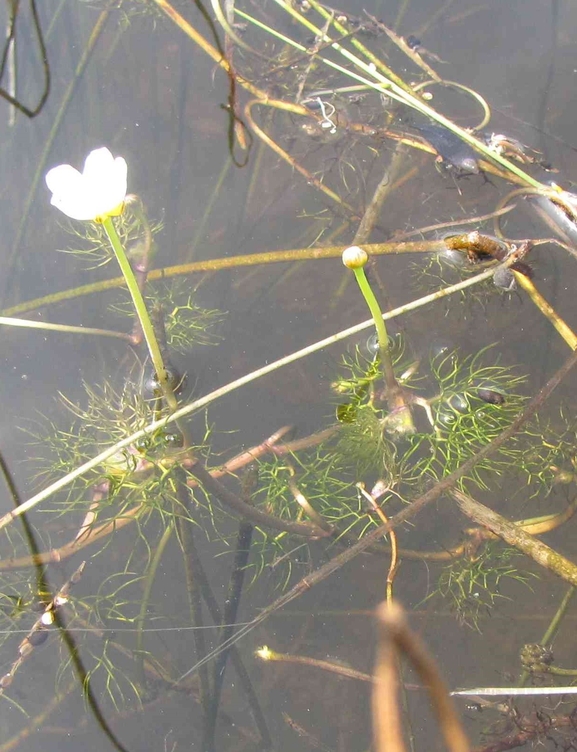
98,191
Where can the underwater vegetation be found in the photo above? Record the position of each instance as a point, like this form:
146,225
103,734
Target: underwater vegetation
155,536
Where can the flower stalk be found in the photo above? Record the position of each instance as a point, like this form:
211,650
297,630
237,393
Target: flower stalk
141,311
97,194
355,258
399,420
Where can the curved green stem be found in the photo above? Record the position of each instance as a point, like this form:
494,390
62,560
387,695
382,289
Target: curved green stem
149,581
374,308
399,420
141,311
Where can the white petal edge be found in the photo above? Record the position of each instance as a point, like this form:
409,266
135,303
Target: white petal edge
98,164
63,178
73,206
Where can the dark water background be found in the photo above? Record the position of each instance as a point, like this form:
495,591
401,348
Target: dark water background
151,96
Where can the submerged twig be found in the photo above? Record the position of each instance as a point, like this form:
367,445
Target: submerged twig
396,636
193,569
230,613
515,536
38,633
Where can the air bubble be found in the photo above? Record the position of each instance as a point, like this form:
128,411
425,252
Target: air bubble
504,279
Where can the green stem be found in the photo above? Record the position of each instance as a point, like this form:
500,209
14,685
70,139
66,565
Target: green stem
380,326
399,420
146,595
549,635
556,671
374,308
141,311
551,632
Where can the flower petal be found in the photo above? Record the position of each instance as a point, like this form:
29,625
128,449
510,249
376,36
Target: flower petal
67,186
105,181
98,191
73,206
63,178
98,164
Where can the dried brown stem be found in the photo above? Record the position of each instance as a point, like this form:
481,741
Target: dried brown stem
39,631
395,630
229,499
308,508
309,177
394,565
268,655
515,536
387,724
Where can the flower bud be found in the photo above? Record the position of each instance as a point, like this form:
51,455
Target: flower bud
354,257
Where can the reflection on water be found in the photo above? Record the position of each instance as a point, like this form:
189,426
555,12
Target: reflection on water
253,495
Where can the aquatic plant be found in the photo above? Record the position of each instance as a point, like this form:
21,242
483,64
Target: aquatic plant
132,474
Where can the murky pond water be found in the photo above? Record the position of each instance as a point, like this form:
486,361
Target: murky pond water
255,519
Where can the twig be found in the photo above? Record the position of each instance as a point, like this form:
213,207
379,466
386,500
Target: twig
396,630
229,618
271,656
515,536
231,500
387,725
233,262
39,631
